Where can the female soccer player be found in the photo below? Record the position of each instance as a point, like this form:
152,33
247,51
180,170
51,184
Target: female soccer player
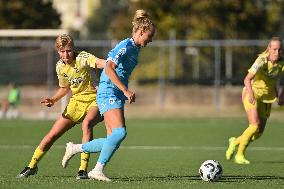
258,94
112,93
74,71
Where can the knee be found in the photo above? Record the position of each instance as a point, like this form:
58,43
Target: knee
86,126
89,123
118,134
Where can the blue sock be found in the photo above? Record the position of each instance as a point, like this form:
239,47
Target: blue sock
111,144
94,146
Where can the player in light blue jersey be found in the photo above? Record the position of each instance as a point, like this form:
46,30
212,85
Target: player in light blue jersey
124,58
112,93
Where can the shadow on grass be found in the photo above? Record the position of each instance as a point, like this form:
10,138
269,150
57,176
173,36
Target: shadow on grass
260,177
268,162
235,178
157,178
225,178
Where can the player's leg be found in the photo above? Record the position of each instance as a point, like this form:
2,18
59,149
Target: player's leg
60,127
5,105
244,142
253,118
91,119
231,148
115,122
260,131
264,111
235,141
93,146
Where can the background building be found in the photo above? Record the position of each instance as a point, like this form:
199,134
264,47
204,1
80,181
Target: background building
74,14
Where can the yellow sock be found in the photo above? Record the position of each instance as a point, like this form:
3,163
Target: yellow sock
245,138
84,161
256,136
238,140
38,154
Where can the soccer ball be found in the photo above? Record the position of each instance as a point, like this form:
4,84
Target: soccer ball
210,170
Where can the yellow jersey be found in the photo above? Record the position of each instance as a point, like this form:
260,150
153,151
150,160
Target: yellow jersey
81,74
265,77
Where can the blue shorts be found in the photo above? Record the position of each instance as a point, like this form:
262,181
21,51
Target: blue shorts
109,101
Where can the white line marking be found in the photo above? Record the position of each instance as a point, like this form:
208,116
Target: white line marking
201,148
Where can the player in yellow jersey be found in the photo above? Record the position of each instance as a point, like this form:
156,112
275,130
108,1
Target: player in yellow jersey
258,95
74,72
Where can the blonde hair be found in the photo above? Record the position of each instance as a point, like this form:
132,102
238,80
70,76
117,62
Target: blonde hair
63,40
141,21
266,53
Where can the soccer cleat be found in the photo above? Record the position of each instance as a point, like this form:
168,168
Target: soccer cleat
98,176
82,175
240,159
231,149
69,153
27,172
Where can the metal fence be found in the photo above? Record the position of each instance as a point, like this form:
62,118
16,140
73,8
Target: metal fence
171,62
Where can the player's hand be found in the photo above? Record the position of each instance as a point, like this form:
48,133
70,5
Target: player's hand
251,99
130,96
47,102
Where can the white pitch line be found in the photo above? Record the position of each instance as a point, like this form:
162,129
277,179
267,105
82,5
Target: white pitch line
200,148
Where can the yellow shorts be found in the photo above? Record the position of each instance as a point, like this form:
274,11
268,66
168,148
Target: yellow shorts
78,106
263,109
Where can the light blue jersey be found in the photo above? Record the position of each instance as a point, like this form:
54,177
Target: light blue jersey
125,56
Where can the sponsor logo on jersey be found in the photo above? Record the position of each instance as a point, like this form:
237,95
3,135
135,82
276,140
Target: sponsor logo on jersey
111,101
120,53
76,81
255,67
76,70
103,106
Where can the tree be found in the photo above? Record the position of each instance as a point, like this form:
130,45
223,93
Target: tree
191,19
221,19
28,14
104,19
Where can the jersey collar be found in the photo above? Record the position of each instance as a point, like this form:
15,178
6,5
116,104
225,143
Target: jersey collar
133,43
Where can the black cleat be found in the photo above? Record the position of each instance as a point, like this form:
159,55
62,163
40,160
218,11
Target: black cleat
82,175
27,172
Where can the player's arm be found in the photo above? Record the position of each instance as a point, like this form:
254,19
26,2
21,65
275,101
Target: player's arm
100,63
110,72
249,77
94,61
61,92
247,82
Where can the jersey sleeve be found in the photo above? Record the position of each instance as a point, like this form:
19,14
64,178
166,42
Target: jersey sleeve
116,54
87,59
257,65
62,80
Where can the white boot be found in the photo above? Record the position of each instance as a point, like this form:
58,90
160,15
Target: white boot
98,175
71,150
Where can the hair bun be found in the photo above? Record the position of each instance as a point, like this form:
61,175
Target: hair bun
139,14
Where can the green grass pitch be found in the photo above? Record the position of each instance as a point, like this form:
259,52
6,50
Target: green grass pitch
157,153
